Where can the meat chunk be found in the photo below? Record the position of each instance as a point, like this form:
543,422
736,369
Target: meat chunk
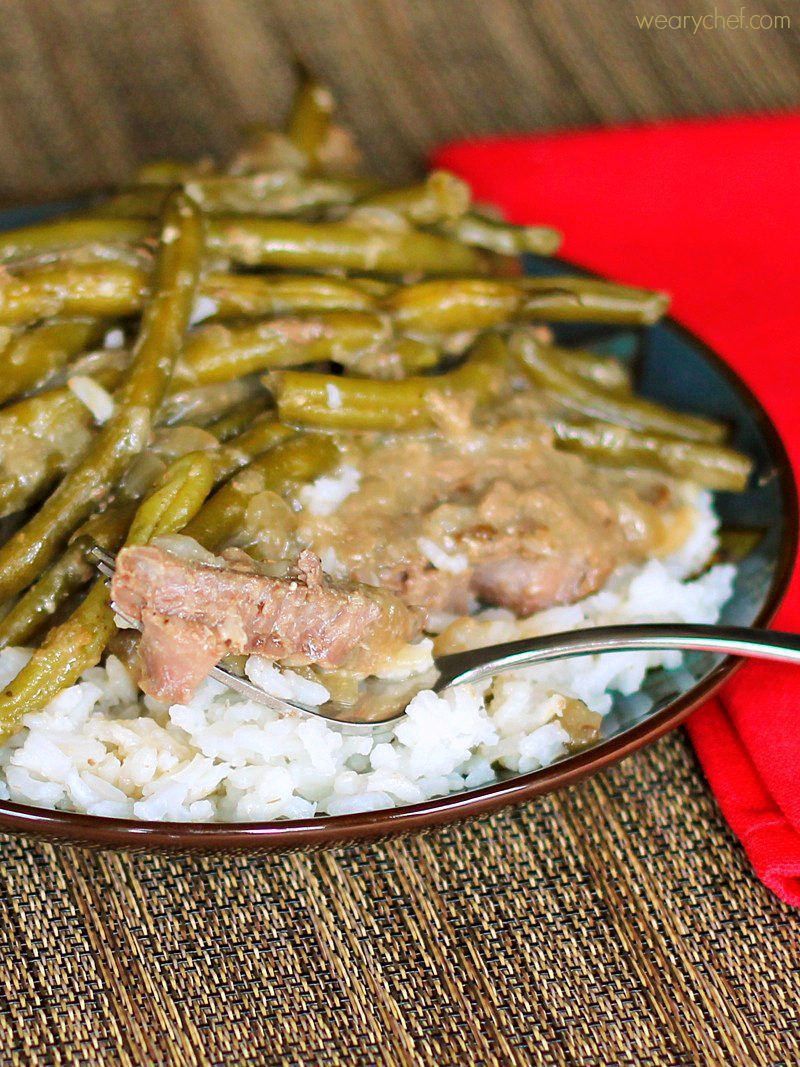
192,614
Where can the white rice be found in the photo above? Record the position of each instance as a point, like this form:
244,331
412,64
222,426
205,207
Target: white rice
221,757
334,396
97,399
114,338
451,562
204,308
323,496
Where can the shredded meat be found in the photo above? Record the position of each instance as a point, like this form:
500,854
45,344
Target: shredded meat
192,614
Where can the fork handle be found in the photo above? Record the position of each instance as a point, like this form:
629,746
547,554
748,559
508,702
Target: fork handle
476,664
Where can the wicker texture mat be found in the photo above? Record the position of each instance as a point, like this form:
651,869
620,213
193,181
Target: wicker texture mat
617,923
90,88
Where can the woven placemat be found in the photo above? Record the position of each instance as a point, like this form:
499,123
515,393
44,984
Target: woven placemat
614,923
91,88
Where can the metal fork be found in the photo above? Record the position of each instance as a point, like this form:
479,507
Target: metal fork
382,704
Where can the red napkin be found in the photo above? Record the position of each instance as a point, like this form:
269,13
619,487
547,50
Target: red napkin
710,211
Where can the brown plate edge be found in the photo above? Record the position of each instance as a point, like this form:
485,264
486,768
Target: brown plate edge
329,831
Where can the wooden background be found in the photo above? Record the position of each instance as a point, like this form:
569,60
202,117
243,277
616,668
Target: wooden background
90,88
615,923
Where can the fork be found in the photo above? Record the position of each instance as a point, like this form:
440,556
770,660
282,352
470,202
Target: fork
477,664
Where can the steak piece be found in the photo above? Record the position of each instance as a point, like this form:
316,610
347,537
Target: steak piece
192,614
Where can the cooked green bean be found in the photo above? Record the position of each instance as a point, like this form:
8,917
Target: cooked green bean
398,358
34,355
102,290
240,418
78,643
543,368
40,438
308,399
276,193
310,120
503,237
218,353
207,403
243,449
441,197
431,309
67,233
298,459
340,246
117,290
569,298
712,466
44,436
64,577
256,295
604,371
161,334
175,502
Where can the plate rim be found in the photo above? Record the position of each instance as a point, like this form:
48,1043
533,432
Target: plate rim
330,830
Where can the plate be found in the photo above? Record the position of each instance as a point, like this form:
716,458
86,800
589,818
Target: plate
759,531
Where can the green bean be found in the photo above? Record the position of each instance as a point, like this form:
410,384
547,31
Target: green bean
441,306
117,290
240,418
604,371
339,245
169,308
125,435
712,466
441,197
40,437
243,449
276,193
310,120
78,643
207,403
64,577
542,367
503,237
34,355
298,459
256,295
102,290
570,298
434,308
218,353
175,502
397,359
44,436
308,399
67,233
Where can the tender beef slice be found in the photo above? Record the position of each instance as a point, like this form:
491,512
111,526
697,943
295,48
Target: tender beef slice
194,613
532,584
175,655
